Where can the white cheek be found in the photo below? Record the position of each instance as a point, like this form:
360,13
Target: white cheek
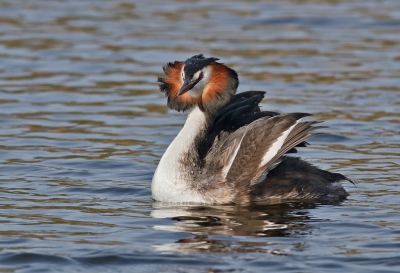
182,75
196,75
198,90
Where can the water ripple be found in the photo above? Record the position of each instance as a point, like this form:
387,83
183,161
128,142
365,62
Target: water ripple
83,126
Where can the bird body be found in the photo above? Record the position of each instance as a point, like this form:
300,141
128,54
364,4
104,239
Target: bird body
229,151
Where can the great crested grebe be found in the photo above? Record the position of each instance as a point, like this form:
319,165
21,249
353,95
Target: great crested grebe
229,151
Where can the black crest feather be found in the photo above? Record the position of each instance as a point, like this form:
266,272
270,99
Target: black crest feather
196,63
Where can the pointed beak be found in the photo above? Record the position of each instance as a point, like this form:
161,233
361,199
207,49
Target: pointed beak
187,85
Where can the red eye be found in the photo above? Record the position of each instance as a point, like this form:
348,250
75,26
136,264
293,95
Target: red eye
201,75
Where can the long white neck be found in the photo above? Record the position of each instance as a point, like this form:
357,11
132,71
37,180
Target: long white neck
171,181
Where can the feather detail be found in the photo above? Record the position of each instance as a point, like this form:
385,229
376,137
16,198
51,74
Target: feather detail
171,84
220,88
218,78
263,143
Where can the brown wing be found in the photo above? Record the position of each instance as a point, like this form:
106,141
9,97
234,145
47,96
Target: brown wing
243,156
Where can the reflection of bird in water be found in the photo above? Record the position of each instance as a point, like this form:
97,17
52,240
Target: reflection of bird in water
223,220
228,150
278,220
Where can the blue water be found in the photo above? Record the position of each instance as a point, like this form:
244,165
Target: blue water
83,125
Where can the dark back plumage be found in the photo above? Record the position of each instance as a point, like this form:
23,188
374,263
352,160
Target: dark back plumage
240,111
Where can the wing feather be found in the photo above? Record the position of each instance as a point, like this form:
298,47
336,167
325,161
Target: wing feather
244,143
259,140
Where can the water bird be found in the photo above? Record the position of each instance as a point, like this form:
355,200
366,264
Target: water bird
229,151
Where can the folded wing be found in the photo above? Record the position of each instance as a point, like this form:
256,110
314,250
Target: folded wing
244,151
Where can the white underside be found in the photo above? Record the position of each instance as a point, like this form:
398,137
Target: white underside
169,181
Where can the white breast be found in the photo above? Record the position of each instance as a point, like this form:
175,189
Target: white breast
169,182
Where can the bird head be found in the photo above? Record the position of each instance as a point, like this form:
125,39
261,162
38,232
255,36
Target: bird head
198,81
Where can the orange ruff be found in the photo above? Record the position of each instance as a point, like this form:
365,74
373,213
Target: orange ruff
174,80
216,83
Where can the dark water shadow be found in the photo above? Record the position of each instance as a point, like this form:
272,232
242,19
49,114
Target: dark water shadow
291,219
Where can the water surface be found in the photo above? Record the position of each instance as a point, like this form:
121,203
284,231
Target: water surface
83,125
